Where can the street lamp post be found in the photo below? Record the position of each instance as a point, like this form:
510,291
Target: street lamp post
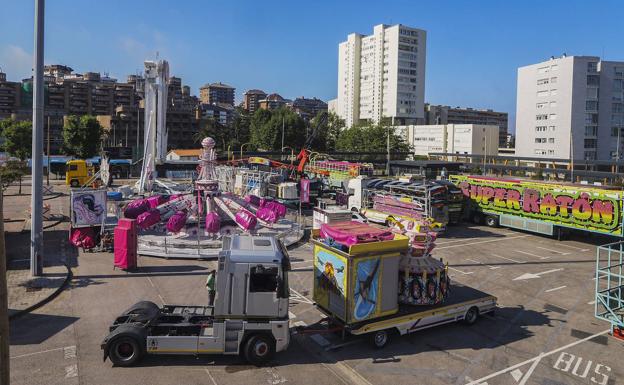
241,149
36,203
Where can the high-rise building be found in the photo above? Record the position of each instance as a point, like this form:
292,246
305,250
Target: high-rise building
382,75
217,93
436,114
571,107
9,96
251,100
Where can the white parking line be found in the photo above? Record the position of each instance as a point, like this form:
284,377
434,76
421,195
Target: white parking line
459,271
531,369
572,247
555,289
210,376
71,371
35,353
531,254
539,357
552,251
591,302
486,241
301,297
484,264
69,352
505,258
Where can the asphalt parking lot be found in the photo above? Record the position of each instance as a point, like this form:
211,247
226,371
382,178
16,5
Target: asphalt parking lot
543,332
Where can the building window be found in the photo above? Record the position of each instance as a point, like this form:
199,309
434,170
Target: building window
553,104
553,80
551,140
541,117
592,93
542,81
542,93
591,118
541,105
593,80
540,140
553,92
591,105
552,117
540,128
591,130
551,152
551,128
543,70
590,155
590,143
592,67
554,67
617,107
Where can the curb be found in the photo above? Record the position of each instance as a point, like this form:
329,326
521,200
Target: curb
49,298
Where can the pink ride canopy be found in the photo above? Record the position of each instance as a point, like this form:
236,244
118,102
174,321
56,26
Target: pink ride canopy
351,233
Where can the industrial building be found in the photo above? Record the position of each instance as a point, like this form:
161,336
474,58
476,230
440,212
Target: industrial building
438,114
475,139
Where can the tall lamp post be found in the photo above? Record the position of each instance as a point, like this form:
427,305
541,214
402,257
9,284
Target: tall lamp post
36,202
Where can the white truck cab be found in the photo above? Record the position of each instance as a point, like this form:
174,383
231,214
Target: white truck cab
249,316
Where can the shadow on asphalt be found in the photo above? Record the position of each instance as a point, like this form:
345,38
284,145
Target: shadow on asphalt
34,328
144,271
507,325
468,230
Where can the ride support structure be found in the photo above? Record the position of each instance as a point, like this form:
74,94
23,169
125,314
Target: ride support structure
609,305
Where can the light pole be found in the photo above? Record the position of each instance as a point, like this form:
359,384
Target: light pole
571,156
241,149
282,131
36,202
292,153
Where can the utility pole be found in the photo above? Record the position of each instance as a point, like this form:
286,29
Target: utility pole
36,202
48,155
283,132
4,307
571,156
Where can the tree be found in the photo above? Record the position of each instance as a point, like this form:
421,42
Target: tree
239,133
328,132
17,138
370,138
212,128
266,129
82,136
17,143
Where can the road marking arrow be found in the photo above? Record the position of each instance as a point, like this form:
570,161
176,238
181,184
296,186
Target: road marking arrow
532,276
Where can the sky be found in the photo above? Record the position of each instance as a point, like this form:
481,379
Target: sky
290,47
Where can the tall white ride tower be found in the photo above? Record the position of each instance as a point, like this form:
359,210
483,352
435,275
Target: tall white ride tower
155,126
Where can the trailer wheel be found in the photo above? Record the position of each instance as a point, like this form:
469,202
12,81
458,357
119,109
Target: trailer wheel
259,349
125,351
471,315
380,338
491,221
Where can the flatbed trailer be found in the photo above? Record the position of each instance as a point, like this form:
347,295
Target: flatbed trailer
464,304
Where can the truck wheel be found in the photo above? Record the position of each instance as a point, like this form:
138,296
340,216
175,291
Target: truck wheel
471,316
74,183
259,349
125,351
380,338
491,221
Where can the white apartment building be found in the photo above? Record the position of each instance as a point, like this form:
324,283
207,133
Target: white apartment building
570,99
475,139
382,75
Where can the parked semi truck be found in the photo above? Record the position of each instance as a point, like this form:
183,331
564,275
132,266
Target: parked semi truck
249,316
541,207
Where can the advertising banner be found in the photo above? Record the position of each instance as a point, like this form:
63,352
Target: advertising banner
304,193
580,207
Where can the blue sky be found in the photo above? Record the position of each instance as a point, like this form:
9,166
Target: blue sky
290,47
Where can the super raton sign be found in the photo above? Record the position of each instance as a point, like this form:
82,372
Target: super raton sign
585,208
